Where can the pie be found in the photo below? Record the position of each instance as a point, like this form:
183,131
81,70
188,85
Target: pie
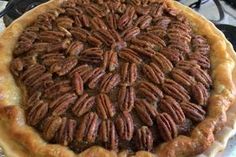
113,78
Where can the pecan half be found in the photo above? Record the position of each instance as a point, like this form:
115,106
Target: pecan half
105,107
193,111
162,62
83,105
65,134
186,65
175,90
37,112
145,111
200,94
98,23
128,73
150,91
201,59
201,76
109,81
111,20
172,107
49,59
62,103
91,55
78,83
64,67
200,44
126,98
130,33
166,126
130,56
65,22
80,34
153,39
88,128
57,88
126,18
147,51
51,36
33,99
144,21
182,78
108,135
75,48
16,66
51,126
125,126
154,73
110,60
173,55
144,139
95,78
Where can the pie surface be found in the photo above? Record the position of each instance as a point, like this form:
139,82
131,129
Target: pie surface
131,77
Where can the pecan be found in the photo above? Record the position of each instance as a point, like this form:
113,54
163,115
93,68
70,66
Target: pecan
130,56
142,43
182,78
200,93
186,65
51,126
143,51
42,81
73,11
49,59
95,78
162,22
65,134
98,23
91,55
57,88
110,60
51,36
16,66
94,10
83,105
85,20
145,111
78,83
37,112
108,134
94,41
144,139
104,106
117,37
111,21
153,72
193,111
166,126
88,128
158,30
200,44
130,33
174,33
201,76
62,103
82,69
173,55
201,59
150,91
126,18
58,46
157,10
162,62
128,73
80,34
64,67
181,26
109,81
33,99
105,36
141,10
172,107
75,48
175,90
126,98
65,22
125,126
144,21
178,44
153,39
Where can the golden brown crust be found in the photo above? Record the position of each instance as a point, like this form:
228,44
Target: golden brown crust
18,139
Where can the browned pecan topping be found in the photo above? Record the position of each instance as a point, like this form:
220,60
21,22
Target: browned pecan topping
145,111
83,104
125,126
150,91
193,111
175,90
182,78
37,112
51,126
144,139
108,134
154,73
115,62
165,64
65,134
128,73
109,81
166,126
105,108
88,128
126,98
172,107
200,93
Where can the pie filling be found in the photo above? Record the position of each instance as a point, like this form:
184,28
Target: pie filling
119,74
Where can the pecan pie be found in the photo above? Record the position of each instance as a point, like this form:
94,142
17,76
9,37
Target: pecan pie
113,78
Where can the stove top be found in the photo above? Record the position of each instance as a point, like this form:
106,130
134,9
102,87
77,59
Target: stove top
17,7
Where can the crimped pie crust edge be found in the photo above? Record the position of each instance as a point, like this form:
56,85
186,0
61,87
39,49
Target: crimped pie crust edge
19,139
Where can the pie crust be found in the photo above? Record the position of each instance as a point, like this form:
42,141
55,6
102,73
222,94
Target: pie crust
20,140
